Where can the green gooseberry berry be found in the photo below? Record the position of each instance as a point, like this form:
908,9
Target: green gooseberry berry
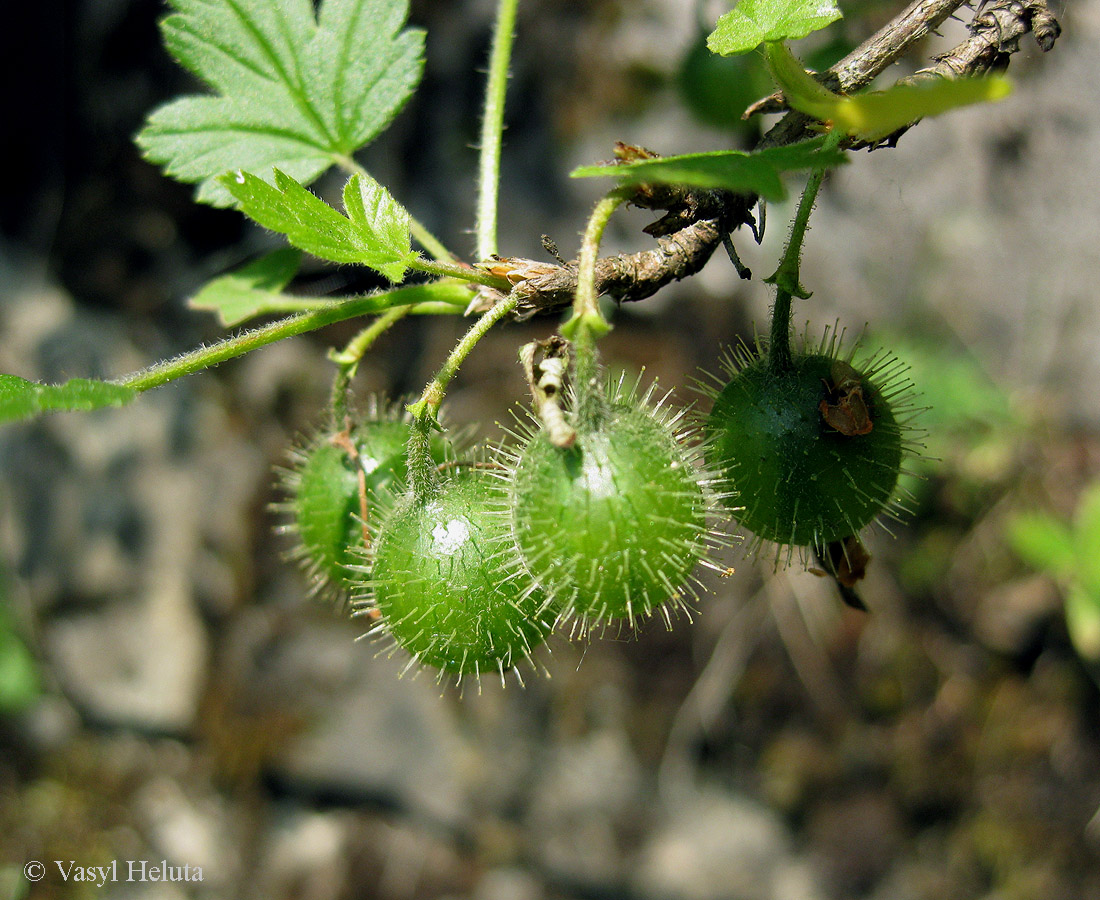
810,454
334,483
446,583
612,527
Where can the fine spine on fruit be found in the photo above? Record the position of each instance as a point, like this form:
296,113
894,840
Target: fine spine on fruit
613,525
810,452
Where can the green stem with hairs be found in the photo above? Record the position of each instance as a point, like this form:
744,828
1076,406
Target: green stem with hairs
492,128
461,271
348,359
786,277
423,474
587,323
254,339
432,397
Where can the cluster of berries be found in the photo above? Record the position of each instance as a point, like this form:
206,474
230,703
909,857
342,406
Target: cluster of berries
601,512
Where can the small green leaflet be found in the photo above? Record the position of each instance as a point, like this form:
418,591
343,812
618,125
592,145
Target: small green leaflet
732,170
874,116
877,115
752,22
21,399
254,289
375,232
294,90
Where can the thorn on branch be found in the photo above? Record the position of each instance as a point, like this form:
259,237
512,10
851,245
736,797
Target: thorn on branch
742,270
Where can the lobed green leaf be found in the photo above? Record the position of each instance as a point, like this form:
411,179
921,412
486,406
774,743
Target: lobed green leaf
292,91
758,172
752,22
22,399
376,234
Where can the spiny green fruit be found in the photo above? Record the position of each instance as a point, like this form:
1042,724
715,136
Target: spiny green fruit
812,453
447,585
612,526
333,485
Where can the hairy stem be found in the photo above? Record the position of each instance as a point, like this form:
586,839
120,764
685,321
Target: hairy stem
492,129
348,358
462,271
587,323
586,307
786,278
423,473
428,404
246,342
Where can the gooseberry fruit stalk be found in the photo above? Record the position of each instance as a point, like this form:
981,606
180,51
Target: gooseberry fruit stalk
446,583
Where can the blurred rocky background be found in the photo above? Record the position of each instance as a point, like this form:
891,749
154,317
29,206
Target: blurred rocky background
169,692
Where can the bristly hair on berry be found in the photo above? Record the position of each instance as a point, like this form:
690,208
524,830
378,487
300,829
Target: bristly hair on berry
446,586
811,455
613,526
330,485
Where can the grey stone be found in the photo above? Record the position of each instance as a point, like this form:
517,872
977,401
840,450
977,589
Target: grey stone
381,736
719,846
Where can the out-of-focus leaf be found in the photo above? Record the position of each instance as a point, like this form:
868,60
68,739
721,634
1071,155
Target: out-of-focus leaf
1043,543
1086,527
20,683
1083,622
253,290
878,114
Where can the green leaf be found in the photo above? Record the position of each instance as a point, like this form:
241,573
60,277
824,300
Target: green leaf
752,22
379,238
252,290
21,399
732,170
291,92
876,115
376,214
